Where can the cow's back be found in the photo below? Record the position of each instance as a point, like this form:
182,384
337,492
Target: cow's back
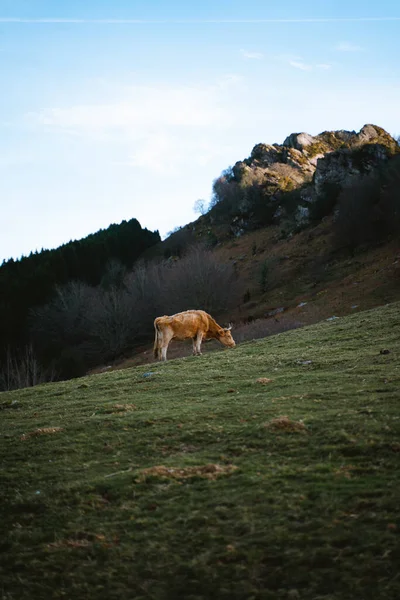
185,324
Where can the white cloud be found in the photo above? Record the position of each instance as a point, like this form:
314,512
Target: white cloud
158,129
348,47
166,155
300,65
297,62
159,153
252,55
145,107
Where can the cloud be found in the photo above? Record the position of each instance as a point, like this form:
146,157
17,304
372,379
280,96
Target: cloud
300,65
165,154
252,55
157,128
159,153
142,108
297,62
348,47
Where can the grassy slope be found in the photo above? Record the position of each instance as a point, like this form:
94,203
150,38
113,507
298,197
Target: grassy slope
307,268
309,514
304,268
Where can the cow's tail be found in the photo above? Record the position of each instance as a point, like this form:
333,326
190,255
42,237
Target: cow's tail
157,340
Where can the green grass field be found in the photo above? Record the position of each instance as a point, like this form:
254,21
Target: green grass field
251,506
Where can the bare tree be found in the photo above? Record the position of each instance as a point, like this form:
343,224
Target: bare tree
112,323
23,370
146,286
199,280
200,207
65,319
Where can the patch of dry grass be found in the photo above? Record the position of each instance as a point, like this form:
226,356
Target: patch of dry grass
61,544
41,431
284,424
210,471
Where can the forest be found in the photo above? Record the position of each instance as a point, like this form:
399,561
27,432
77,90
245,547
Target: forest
26,357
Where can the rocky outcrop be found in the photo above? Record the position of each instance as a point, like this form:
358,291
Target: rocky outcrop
309,166
341,166
305,154
299,141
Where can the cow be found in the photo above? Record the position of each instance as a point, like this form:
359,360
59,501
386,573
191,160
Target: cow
195,324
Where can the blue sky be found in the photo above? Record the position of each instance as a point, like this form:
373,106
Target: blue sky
113,110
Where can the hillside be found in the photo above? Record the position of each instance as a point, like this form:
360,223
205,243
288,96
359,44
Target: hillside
267,471
295,233
310,227
306,281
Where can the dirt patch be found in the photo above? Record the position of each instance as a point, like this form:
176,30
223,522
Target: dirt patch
117,409
345,471
210,471
41,431
92,539
292,397
124,407
286,425
264,380
69,544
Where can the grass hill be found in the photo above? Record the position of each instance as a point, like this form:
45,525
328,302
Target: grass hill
268,471
291,282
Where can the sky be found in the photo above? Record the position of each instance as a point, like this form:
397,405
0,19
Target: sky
131,108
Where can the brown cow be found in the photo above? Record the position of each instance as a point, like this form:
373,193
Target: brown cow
194,324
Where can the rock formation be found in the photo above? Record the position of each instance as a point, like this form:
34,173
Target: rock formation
306,166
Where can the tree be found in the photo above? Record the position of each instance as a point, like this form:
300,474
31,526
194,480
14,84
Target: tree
199,280
200,207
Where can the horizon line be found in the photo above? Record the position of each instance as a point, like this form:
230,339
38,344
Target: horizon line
50,20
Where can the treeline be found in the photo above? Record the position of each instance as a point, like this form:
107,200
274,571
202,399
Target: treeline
30,282
86,325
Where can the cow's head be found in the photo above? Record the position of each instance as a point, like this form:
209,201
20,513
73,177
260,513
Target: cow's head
225,337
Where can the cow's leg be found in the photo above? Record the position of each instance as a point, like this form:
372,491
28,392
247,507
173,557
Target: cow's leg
167,337
197,343
160,345
156,348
